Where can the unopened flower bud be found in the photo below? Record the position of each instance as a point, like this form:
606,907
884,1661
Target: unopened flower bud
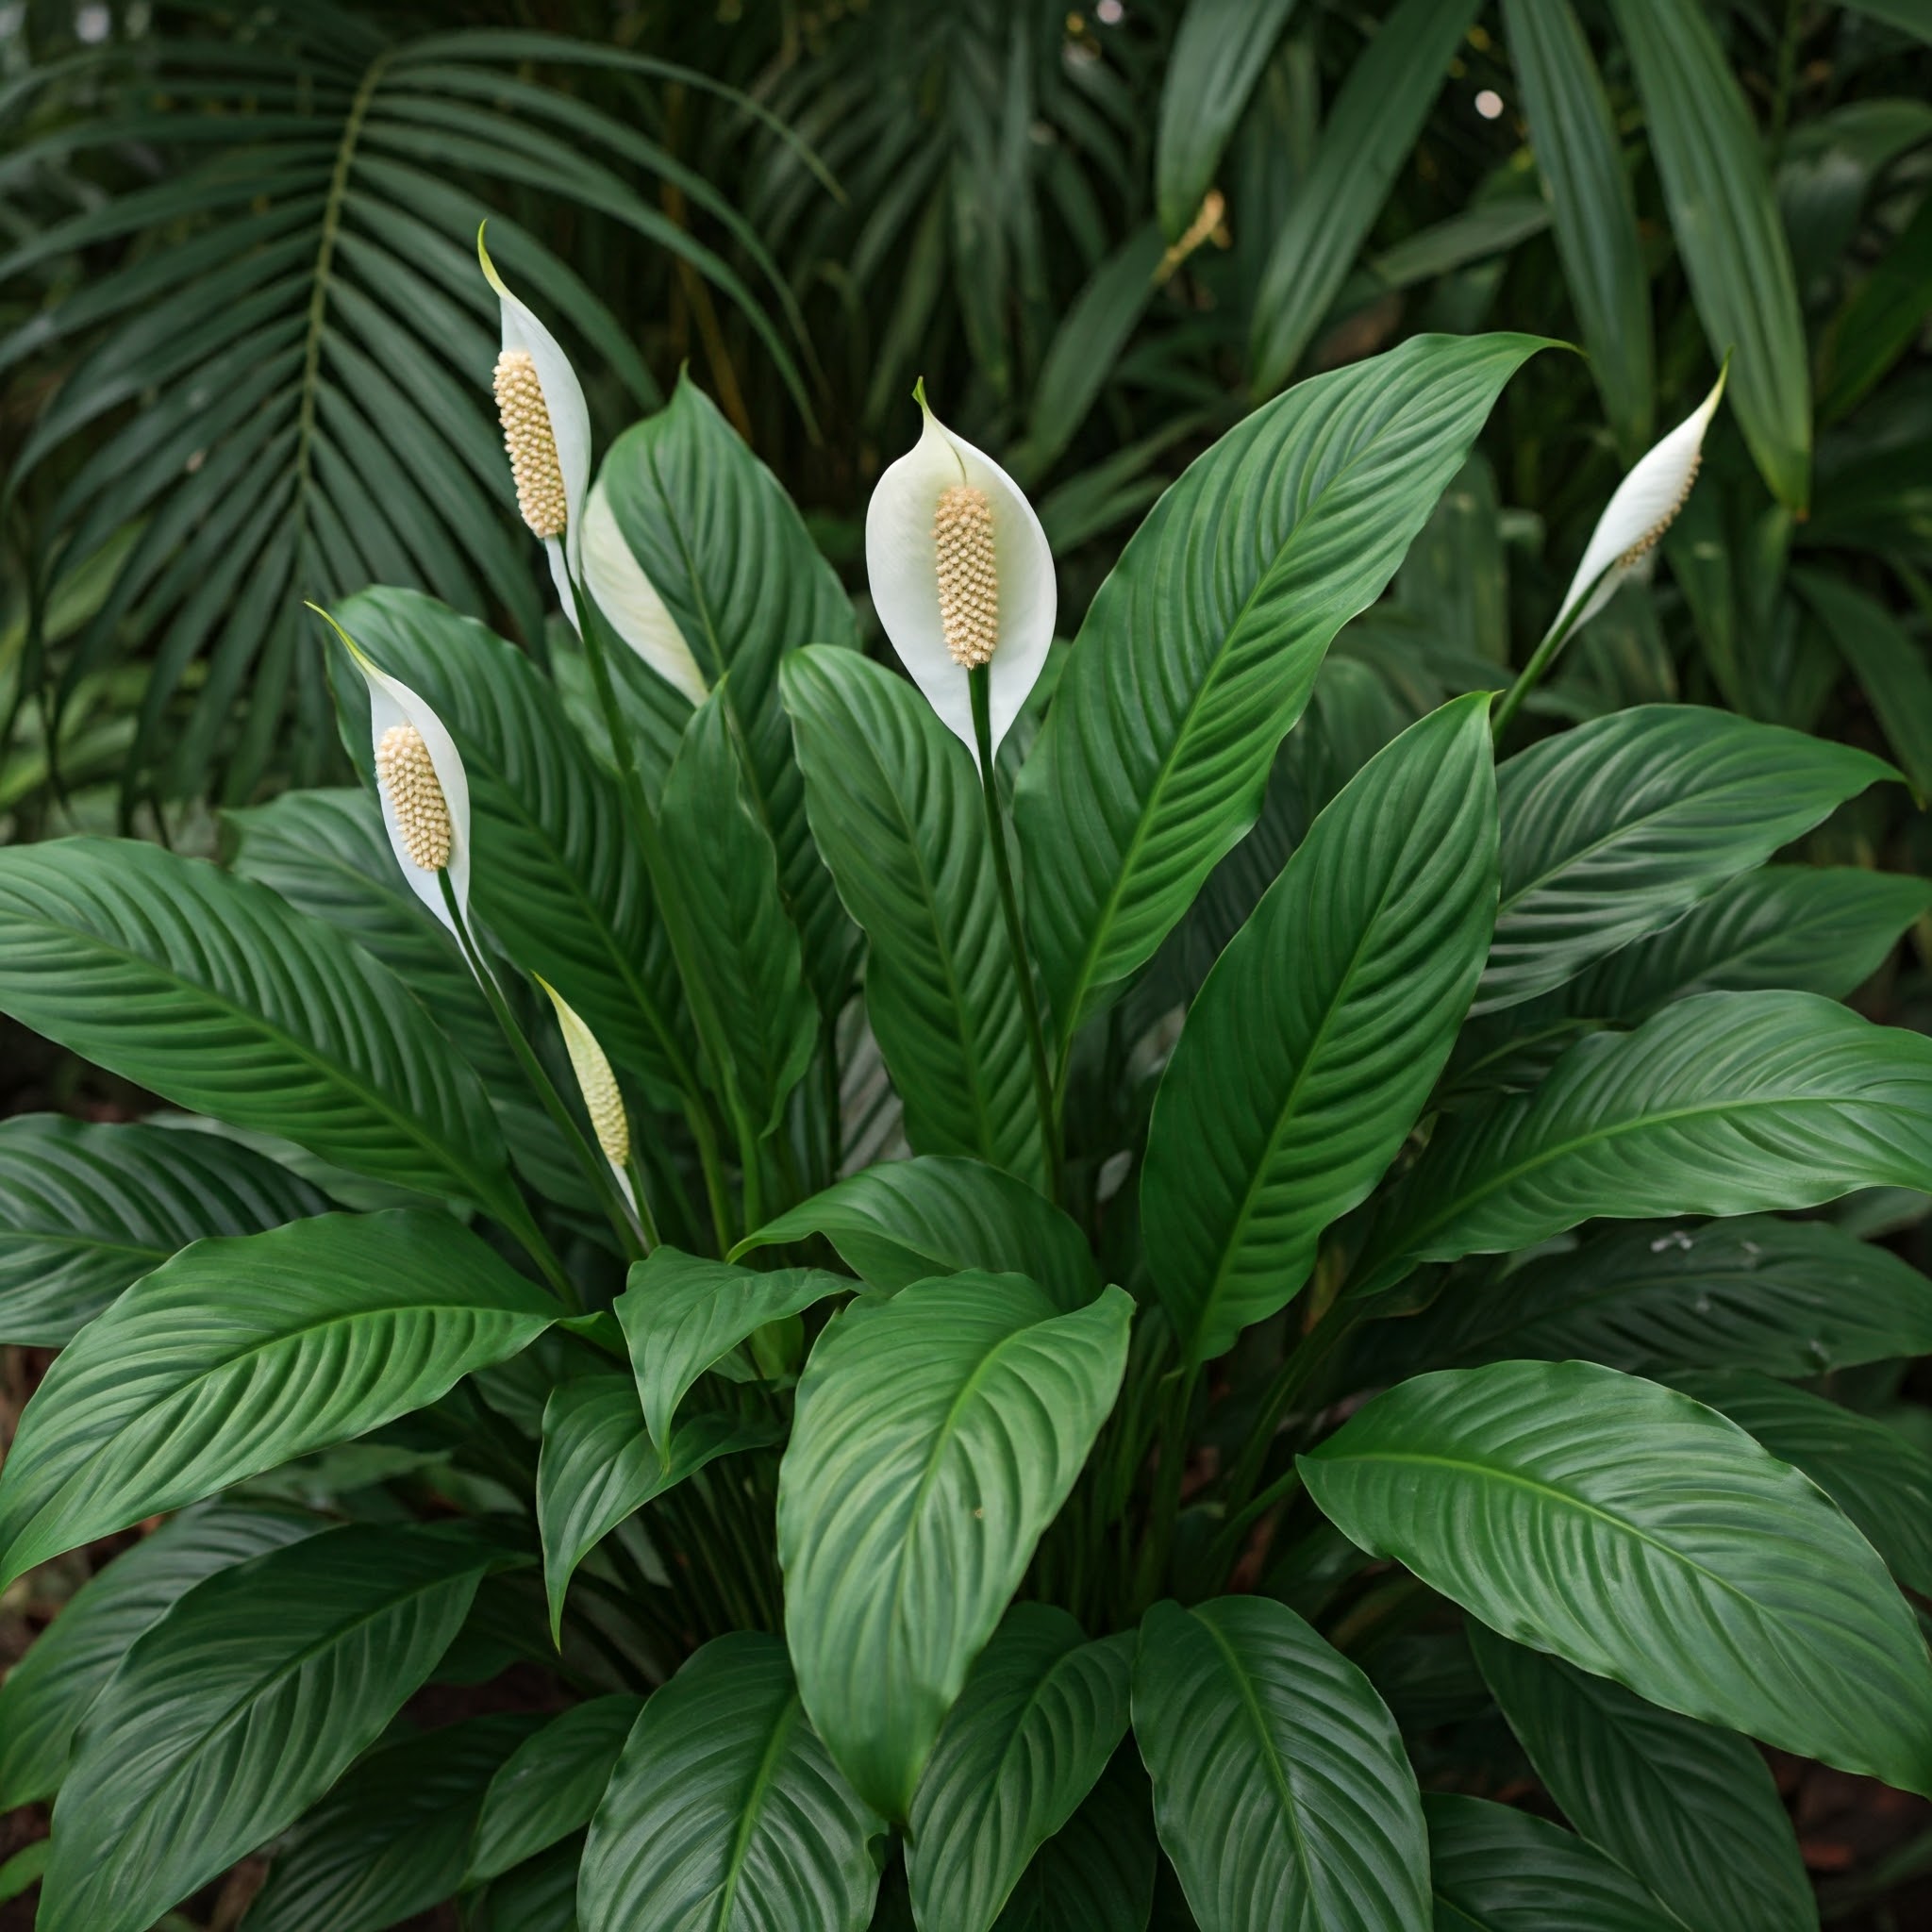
1631,557
603,1101
532,444
407,774
967,566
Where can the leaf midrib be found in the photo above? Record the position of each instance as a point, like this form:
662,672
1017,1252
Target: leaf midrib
1614,1130
750,1810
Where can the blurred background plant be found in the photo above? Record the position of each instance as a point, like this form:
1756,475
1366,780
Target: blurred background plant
244,352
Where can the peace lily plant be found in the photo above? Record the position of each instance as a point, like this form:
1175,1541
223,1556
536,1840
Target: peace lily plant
1009,1362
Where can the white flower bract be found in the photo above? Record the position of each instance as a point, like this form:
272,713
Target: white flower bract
902,560
570,423
1643,507
618,585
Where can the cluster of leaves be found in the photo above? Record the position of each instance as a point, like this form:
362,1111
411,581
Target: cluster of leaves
994,1535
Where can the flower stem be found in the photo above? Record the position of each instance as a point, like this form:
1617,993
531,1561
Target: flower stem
1530,675
978,679
676,926
596,1170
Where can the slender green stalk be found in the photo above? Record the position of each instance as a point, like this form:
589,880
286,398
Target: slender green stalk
676,926
596,1170
1530,675
979,680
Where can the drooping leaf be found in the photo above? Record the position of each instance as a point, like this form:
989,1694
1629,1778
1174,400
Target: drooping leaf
724,1811
1574,140
1823,930
87,1207
598,1466
1493,1869
746,948
1642,1537
47,1693
1217,57
1730,237
390,1841
1611,830
936,1435
540,1895
212,992
1201,648
896,810
904,1220
1095,1874
1690,1809
1309,1052
1882,1481
241,1706
1280,1785
1039,1719
246,1351
1728,1104
1365,139
548,1787
1788,1298
681,1314
726,551
555,874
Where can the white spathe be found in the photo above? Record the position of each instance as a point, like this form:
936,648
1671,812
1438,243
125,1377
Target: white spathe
629,601
1643,507
391,703
900,562
570,423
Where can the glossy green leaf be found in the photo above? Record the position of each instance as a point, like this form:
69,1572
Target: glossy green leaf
86,1209
1730,237
1613,829
723,546
681,1314
548,1787
1493,1869
240,1708
48,1691
1201,648
896,810
904,1220
540,1895
1889,664
1365,139
1882,1481
244,1352
1730,1103
724,1813
1095,1874
1217,57
744,947
1823,930
390,1841
1574,137
1280,1786
24,1868
936,1435
1034,1729
1642,1537
1311,1049
212,992
555,875
597,1467
1688,1809
1788,1298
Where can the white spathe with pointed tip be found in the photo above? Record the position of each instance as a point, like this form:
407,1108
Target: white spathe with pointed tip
392,703
628,599
570,423
902,562
1644,506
